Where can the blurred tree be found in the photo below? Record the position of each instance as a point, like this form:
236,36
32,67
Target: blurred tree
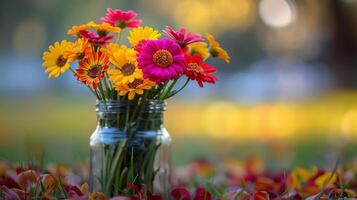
343,58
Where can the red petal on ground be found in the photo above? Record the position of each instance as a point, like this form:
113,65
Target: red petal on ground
180,193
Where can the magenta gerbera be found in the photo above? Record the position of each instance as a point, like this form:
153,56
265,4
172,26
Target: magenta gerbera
120,18
161,60
182,36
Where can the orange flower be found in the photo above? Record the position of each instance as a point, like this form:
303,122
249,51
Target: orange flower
86,194
216,50
27,179
92,67
136,87
49,182
76,50
105,28
75,30
200,48
261,195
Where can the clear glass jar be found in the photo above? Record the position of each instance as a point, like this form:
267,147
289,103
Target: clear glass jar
130,145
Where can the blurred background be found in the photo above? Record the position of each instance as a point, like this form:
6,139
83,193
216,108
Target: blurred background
288,96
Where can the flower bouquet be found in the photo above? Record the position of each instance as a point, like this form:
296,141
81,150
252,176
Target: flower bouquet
131,81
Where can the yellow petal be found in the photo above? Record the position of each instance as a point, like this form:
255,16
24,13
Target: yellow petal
54,72
85,188
122,93
212,41
139,91
131,79
49,69
131,95
325,180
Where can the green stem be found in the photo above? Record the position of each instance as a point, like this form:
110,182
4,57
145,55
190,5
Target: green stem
107,81
136,114
114,161
127,113
118,37
177,91
107,86
157,89
101,90
168,90
113,92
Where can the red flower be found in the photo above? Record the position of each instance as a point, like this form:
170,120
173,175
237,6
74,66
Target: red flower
202,194
9,182
140,194
197,70
182,193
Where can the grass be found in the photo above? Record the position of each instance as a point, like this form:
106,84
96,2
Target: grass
58,130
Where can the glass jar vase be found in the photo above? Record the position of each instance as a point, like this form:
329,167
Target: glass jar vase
130,145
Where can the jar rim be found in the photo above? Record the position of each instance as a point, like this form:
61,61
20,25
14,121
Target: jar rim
157,101
116,105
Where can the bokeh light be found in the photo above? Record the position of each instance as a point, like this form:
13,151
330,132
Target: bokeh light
277,13
214,15
30,36
349,123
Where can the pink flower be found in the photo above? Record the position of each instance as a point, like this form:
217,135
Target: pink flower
183,37
95,38
121,18
161,60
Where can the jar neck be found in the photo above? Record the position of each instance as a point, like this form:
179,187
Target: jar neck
129,117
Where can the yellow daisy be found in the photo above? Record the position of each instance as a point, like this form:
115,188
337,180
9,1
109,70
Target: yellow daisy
76,50
216,50
136,87
105,28
121,55
75,30
200,48
54,59
126,70
142,33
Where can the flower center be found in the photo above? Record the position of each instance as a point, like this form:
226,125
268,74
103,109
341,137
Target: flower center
214,52
127,69
195,67
102,32
182,45
135,83
61,61
80,56
162,58
121,24
94,71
